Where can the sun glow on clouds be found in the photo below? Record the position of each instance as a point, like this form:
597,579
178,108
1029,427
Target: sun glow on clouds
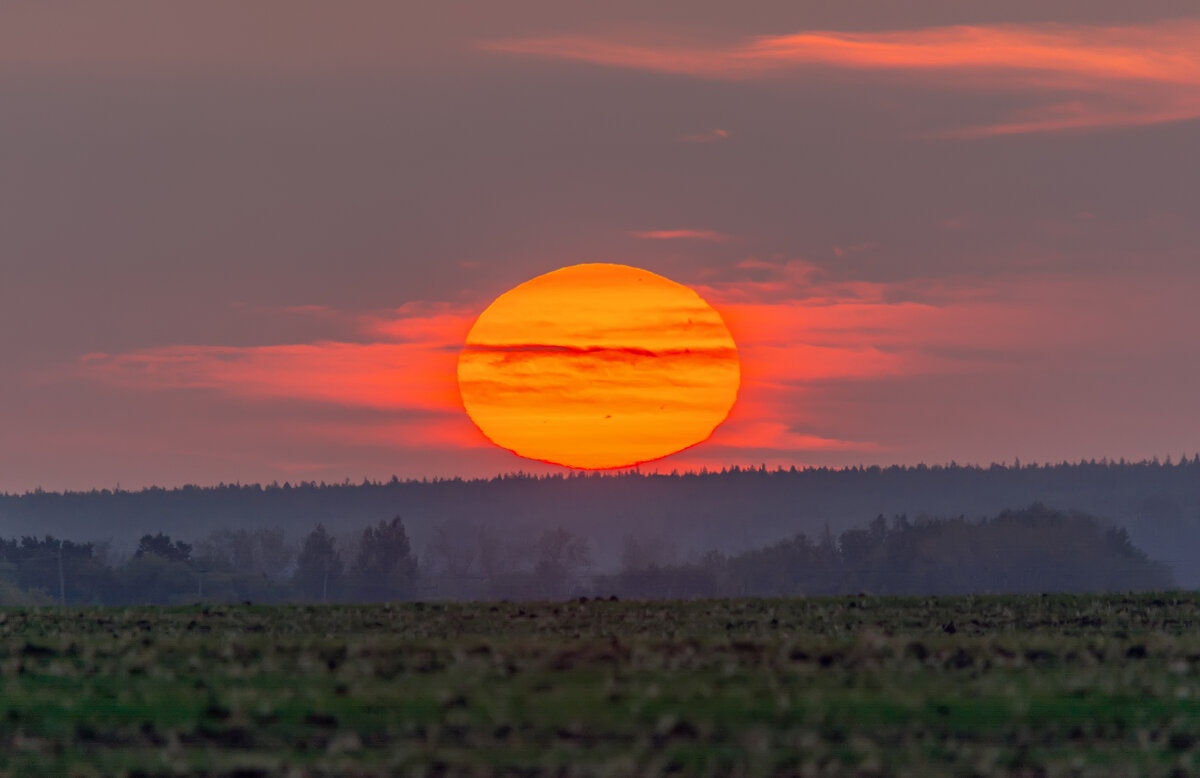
382,376
800,336
1111,76
710,235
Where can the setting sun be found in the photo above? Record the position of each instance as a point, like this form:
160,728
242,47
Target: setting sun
598,366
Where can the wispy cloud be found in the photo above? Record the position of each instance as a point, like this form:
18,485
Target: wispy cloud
709,136
404,362
432,324
1078,76
710,235
311,310
779,435
385,376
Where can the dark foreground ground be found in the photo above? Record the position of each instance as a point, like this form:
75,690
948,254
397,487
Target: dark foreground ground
1055,685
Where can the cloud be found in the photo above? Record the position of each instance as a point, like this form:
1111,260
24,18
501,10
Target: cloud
386,376
422,322
450,433
406,362
310,310
710,235
779,436
709,136
794,329
1077,76
811,347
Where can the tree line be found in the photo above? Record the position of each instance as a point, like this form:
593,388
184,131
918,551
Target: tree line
735,509
1036,549
230,565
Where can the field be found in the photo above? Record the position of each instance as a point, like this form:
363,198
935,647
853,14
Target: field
1051,685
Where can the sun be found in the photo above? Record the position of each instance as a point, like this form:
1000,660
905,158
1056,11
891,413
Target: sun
598,366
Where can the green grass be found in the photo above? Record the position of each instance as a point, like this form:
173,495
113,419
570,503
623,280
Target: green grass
1062,685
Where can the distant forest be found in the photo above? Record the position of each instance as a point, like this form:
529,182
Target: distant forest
678,517
1032,550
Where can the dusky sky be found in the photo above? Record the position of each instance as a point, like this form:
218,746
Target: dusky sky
245,242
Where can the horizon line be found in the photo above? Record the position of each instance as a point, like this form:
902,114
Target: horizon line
634,471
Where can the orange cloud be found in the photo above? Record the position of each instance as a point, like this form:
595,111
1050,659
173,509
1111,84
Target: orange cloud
801,337
682,235
451,433
407,365
710,136
421,322
782,345
383,376
1090,76
778,435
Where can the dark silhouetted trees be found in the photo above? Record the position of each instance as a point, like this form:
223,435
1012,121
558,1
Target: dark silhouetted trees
61,570
160,573
162,546
1036,549
734,510
319,569
384,567
1033,550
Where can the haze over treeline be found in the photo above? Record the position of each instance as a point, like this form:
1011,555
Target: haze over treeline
1036,549
686,515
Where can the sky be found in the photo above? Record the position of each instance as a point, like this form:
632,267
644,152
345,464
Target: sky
245,242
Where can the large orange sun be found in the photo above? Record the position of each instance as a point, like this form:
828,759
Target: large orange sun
598,366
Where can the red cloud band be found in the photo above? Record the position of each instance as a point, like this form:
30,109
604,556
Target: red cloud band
799,338
385,376
711,235
1115,75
